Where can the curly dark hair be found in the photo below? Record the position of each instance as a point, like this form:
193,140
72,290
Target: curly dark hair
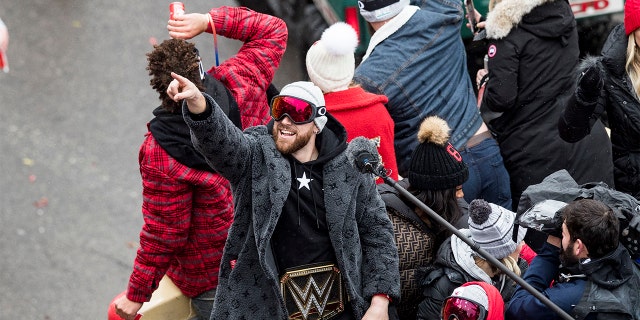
177,56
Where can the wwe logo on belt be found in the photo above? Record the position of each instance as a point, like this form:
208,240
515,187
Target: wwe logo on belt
313,292
312,295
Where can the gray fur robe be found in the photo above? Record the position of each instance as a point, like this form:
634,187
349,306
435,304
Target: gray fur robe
359,228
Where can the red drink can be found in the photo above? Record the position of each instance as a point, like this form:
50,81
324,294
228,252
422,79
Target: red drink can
175,9
4,63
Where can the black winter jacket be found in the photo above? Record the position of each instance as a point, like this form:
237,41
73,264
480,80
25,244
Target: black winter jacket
439,281
619,102
533,52
612,292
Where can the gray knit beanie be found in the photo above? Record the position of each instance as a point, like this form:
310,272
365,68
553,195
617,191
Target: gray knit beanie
491,228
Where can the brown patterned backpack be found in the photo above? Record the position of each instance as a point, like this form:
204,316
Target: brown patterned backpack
416,248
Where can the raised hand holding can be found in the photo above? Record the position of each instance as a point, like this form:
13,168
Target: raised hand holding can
175,9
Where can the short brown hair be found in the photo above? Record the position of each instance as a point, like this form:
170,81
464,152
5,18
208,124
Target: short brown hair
595,224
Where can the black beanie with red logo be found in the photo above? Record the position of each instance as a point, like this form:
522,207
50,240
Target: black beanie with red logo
435,163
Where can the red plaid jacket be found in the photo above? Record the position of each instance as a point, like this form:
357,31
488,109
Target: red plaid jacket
187,214
249,72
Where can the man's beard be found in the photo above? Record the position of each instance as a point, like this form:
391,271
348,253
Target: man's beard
299,142
567,257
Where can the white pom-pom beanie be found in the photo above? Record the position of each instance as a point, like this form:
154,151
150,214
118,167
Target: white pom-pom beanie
330,61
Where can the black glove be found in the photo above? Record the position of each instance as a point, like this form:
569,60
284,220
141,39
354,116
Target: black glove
544,216
590,84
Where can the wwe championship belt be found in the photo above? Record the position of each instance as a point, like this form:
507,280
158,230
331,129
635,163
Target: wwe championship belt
313,292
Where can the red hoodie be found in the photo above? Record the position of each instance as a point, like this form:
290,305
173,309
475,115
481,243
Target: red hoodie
364,114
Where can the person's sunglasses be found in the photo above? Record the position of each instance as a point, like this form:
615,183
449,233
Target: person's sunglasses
457,308
300,111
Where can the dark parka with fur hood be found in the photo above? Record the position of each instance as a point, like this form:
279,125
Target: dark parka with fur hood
260,177
619,102
533,52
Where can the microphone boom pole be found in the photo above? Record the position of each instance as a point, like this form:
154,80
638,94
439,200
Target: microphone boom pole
381,172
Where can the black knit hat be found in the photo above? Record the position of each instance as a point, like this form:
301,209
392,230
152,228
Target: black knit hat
435,163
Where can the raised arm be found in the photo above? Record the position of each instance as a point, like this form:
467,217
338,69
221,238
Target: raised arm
578,117
541,273
223,145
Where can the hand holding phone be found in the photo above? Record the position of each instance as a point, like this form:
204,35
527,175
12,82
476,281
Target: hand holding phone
471,15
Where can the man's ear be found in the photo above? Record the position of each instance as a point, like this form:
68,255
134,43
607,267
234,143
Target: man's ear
580,250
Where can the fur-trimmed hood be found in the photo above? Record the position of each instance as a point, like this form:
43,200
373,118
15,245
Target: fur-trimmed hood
614,51
545,18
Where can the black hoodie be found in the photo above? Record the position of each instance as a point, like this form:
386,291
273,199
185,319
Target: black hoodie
301,236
